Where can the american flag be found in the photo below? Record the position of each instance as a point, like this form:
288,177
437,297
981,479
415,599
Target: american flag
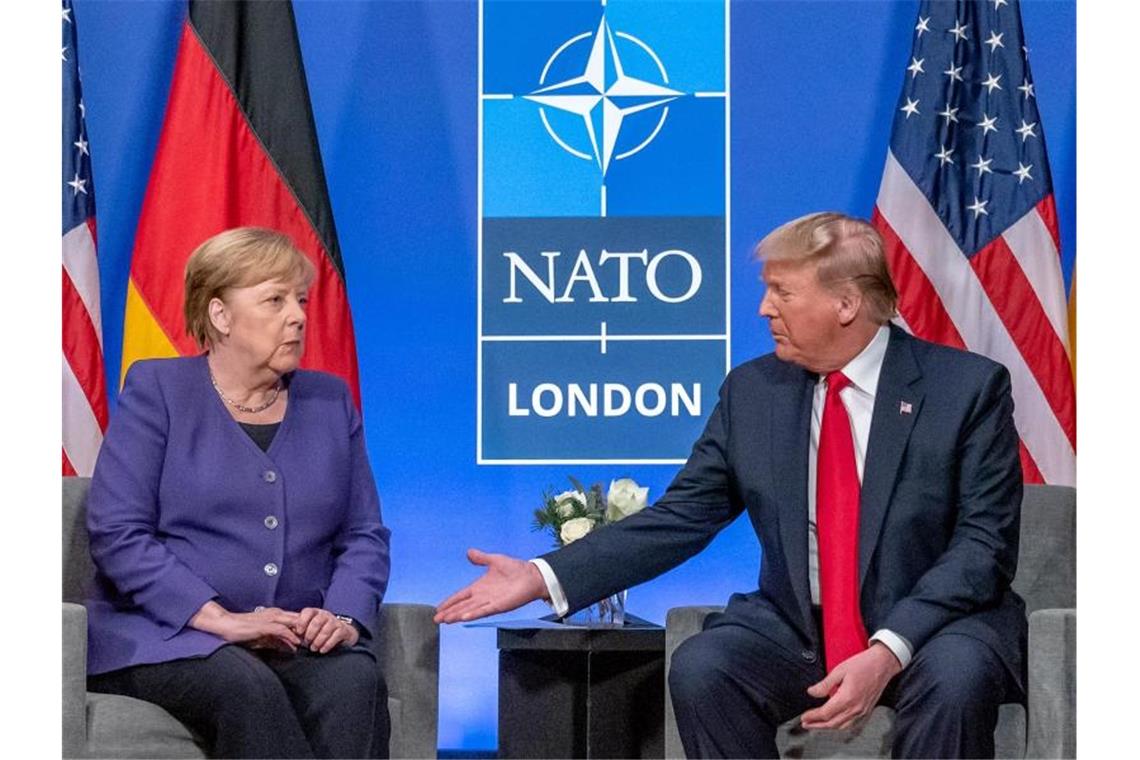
966,209
84,382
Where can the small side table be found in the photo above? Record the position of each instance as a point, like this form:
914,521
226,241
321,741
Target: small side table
573,691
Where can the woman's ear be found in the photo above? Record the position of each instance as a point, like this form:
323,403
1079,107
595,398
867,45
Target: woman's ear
220,316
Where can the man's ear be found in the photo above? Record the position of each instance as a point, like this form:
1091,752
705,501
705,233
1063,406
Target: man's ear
848,303
219,316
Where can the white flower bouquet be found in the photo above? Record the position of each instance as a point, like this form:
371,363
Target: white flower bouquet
570,515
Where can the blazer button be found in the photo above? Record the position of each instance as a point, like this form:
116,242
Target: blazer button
808,655
270,569
271,522
270,476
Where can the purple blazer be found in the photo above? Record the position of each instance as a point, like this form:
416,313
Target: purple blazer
184,508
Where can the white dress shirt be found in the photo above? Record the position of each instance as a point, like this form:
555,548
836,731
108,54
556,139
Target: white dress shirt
859,400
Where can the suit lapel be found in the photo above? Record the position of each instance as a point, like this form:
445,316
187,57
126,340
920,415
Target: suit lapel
790,444
898,402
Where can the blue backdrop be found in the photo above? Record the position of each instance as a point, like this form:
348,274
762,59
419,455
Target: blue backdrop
394,94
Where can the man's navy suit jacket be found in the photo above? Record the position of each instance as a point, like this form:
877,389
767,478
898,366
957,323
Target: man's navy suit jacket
939,509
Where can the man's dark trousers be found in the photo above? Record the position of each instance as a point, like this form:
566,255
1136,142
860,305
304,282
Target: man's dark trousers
732,688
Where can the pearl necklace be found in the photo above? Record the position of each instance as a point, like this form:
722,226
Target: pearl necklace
248,409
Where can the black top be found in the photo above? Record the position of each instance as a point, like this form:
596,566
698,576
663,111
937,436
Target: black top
262,435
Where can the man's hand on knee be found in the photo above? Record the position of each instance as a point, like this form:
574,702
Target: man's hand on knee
852,689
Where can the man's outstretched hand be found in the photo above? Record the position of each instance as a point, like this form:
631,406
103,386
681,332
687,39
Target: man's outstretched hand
509,583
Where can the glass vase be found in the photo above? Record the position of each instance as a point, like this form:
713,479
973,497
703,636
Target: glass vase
606,613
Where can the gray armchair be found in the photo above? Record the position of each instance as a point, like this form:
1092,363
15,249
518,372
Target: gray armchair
106,725
1046,579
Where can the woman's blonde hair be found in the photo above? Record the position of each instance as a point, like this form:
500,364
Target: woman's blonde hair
845,249
237,258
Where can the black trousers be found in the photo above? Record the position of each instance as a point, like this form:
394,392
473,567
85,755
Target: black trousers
262,704
732,688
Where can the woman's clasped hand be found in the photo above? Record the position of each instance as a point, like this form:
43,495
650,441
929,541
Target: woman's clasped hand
315,629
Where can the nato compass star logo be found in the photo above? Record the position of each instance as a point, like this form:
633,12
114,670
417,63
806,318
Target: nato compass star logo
603,95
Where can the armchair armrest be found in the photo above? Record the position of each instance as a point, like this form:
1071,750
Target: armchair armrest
680,624
74,679
1052,686
407,643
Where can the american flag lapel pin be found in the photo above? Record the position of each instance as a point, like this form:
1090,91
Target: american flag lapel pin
905,407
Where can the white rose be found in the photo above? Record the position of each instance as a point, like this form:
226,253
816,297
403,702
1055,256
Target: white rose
565,502
625,498
574,529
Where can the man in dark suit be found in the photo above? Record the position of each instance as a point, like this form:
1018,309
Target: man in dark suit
881,475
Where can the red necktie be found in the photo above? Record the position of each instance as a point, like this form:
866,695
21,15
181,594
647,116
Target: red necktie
837,522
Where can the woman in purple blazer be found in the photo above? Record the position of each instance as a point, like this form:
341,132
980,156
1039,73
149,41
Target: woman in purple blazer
236,529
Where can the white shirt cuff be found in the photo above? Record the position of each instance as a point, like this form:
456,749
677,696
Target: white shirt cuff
553,587
899,646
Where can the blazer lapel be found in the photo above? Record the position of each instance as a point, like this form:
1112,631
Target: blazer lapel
789,446
898,402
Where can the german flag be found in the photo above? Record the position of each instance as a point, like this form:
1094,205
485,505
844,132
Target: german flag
238,147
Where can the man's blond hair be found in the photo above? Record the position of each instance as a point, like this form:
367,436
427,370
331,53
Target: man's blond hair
237,258
844,249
